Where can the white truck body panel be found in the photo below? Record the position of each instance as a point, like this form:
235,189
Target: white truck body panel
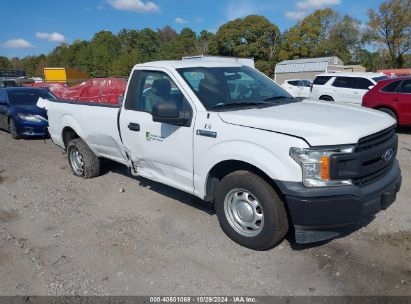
176,156
311,120
101,134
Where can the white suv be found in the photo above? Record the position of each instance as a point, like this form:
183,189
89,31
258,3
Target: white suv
298,87
344,87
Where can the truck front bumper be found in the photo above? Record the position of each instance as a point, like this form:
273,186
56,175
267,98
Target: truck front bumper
320,214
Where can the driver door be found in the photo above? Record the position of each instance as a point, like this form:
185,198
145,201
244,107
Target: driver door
159,151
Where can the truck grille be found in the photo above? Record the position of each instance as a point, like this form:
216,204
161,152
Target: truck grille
369,178
367,164
384,139
376,139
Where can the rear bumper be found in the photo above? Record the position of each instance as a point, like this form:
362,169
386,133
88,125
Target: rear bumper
319,214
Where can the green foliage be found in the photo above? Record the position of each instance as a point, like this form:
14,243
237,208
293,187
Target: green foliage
252,36
391,26
323,33
372,61
5,63
344,39
182,45
308,38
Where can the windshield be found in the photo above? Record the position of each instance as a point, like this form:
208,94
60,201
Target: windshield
29,97
220,87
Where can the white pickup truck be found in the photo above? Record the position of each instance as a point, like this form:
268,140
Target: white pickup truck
230,135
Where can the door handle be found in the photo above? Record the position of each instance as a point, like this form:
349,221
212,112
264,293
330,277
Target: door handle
396,99
134,126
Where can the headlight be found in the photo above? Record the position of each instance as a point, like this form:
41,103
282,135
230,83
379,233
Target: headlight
315,165
30,117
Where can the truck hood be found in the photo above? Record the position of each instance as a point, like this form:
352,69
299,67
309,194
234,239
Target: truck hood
319,123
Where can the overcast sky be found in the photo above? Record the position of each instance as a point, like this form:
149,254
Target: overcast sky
35,27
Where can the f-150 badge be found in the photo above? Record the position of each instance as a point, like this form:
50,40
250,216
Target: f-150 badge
206,133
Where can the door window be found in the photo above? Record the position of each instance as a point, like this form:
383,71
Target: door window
320,80
405,87
306,83
293,82
391,88
148,88
345,82
363,83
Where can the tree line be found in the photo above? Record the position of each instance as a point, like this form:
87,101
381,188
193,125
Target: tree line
384,42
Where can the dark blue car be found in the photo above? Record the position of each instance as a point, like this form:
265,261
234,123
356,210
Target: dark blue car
19,114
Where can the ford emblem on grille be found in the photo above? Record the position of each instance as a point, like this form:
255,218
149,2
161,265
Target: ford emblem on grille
387,156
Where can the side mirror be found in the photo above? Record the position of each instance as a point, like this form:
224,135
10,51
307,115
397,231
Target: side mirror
120,100
370,87
167,112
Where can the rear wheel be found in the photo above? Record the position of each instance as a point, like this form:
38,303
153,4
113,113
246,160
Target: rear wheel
327,98
13,129
83,161
389,112
250,211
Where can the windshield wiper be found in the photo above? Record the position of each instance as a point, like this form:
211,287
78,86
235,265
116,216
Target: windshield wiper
277,98
248,103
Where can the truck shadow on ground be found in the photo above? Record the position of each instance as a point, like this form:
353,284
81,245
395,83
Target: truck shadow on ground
195,202
173,193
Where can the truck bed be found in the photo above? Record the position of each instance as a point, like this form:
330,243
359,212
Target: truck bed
95,123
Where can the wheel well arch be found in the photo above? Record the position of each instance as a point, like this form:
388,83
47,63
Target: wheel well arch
223,168
379,107
325,95
68,134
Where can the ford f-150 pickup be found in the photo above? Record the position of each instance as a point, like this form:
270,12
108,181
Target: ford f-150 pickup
230,135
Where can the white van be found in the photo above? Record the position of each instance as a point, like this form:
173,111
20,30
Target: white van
344,87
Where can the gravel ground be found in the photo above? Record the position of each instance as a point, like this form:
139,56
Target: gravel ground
119,235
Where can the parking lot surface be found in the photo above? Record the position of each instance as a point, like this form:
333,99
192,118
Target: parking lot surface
121,235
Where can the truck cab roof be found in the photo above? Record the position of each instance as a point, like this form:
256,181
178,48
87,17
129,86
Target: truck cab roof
177,64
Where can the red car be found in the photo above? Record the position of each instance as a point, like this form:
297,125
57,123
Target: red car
392,96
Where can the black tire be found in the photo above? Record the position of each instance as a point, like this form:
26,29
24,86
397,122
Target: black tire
91,163
275,225
327,98
389,112
13,129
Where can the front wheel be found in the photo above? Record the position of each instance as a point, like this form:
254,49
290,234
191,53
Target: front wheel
83,161
250,211
13,129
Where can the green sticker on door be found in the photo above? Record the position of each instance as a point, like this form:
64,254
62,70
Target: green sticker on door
153,137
